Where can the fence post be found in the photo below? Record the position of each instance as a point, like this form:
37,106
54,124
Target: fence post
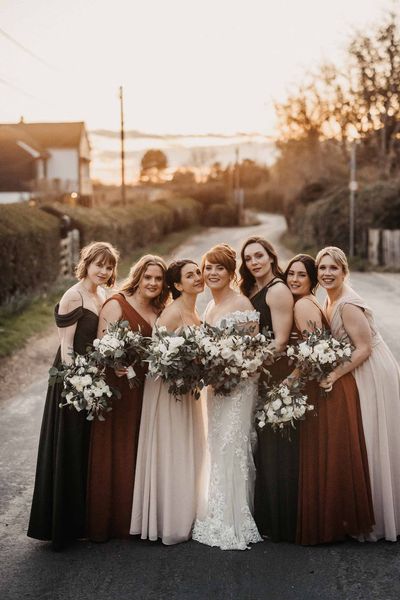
374,246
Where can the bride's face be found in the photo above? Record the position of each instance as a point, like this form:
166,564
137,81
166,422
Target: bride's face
216,276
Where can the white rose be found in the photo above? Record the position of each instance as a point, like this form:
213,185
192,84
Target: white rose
290,351
347,351
304,350
276,404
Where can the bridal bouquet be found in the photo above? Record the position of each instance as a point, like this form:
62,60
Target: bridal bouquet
319,353
175,358
283,405
84,387
231,355
121,347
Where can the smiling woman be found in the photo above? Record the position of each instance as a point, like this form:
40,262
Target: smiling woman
171,440
59,501
114,441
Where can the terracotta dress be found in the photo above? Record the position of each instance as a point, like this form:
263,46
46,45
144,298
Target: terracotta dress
378,383
276,457
334,487
113,449
59,499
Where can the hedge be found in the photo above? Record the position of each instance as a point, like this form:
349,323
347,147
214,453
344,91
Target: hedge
29,249
326,221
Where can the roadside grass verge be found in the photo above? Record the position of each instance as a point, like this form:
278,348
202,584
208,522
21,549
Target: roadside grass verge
27,316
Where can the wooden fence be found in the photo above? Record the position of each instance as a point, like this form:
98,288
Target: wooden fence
69,253
384,247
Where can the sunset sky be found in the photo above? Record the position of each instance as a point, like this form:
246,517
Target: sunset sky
187,66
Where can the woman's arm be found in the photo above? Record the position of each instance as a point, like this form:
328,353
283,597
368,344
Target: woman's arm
69,302
357,327
280,302
110,313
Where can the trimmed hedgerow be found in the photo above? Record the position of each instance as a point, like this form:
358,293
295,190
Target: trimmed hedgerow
29,249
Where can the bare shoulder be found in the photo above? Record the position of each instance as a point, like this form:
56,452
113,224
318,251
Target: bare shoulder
242,303
170,317
71,300
111,308
306,308
279,293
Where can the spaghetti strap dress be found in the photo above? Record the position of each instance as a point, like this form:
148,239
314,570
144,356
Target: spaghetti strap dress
113,448
276,457
334,487
378,383
59,500
169,472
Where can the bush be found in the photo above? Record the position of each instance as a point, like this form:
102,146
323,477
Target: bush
264,200
220,215
326,221
29,250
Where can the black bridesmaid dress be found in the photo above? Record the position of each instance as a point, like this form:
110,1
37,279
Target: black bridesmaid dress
58,510
276,457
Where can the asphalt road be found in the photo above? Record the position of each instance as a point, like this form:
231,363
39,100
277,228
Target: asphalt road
134,569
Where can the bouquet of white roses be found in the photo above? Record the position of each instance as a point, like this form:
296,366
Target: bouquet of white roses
175,358
231,355
318,354
121,347
84,387
283,405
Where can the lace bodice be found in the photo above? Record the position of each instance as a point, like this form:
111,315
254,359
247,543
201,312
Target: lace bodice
239,316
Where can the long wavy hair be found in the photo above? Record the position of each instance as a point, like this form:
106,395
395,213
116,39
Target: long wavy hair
131,283
310,267
174,275
247,280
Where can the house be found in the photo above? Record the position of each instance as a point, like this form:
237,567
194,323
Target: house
44,158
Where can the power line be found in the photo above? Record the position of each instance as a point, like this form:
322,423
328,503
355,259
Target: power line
25,49
17,89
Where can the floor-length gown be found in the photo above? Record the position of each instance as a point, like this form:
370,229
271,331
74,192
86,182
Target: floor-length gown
378,383
227,519
169,466
113,449
276,456
334,488
59,500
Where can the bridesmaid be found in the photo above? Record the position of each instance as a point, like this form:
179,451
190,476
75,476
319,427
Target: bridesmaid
114,441
334,490
171,439
276,457
378,380
59,499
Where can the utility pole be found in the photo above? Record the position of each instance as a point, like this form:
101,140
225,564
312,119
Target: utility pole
123,193
238,191
353,186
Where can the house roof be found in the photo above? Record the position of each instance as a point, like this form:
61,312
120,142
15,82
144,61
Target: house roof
11,136
52,135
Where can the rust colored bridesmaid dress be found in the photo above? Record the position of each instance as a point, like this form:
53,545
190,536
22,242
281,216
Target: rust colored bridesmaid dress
113,449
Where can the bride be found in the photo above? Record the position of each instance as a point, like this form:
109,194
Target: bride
227,519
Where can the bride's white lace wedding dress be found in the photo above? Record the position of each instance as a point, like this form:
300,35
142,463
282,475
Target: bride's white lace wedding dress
227,521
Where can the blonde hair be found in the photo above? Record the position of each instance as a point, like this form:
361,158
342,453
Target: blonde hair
221,254
336,254
97,251
131,283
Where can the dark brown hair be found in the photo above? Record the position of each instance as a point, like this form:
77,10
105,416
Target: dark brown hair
247,280
310,266
174,274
